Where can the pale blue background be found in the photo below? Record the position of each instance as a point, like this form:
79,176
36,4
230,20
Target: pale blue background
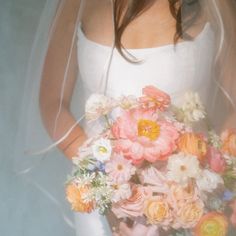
24,211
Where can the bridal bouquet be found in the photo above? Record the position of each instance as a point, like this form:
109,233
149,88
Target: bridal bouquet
148,164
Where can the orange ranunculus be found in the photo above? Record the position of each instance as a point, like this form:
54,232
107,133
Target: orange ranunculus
74,196
157,211
211,224
193,144
229,142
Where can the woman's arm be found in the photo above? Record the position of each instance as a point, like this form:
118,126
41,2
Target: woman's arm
52,79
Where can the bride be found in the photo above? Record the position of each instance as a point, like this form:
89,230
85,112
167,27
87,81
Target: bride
119,46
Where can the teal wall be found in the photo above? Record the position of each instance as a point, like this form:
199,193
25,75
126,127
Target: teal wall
24,210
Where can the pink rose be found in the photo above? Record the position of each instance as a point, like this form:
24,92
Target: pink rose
155,179
216,160
155,98
141,136
133,206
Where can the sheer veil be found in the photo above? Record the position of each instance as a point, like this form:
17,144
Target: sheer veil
36,156
37,160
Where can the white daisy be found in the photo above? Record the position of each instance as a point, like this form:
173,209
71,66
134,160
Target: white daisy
208,181
102,149
182,167
192,109
121,192
98,105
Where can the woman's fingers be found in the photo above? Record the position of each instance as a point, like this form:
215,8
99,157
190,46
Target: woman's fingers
136,230
152,231
125,230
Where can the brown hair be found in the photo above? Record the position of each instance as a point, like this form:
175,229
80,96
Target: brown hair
125,11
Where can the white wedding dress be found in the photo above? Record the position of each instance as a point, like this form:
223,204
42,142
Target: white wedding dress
171,69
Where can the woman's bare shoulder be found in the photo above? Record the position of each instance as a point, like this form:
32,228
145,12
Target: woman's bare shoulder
96,10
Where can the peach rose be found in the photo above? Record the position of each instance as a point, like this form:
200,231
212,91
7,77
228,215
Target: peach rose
212,224
188,213
157,211
74,196
193,144
178,192
229,142
155,98
133,206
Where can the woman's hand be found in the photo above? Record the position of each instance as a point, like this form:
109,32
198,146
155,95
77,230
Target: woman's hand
72,148
136,230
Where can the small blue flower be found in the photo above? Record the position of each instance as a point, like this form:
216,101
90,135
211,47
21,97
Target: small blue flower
228,195
100,166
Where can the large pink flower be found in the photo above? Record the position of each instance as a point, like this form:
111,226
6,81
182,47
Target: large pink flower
141,136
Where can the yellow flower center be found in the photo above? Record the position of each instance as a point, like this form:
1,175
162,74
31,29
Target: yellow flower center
119,167
102,149
160,211
115,186
212,228
149,129
201,146
183,168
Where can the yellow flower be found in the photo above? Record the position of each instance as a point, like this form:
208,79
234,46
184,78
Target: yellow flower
149,129
157,211
74,197
212,224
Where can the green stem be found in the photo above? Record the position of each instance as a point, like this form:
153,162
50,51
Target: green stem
107,121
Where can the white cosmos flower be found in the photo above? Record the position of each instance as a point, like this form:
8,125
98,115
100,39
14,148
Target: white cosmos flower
98,105
208,181
102,149
181,167
128,102
192,109
121,192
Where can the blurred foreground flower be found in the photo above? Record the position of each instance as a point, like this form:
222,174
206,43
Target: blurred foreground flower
212,224
75,198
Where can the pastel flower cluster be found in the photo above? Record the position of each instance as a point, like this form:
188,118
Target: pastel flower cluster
148,163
